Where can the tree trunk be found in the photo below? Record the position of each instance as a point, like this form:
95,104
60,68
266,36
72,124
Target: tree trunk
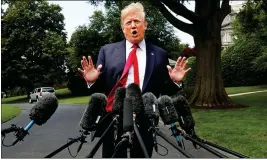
209,89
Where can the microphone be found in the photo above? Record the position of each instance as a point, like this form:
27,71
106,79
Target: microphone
117,109
94,111
127,115
151,111
39,114
134,93
150,105
185,117
168,115
119,96
187,123
116,112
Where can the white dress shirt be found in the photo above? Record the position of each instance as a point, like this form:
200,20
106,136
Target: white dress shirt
141,57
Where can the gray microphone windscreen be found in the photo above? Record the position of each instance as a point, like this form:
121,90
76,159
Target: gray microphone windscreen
166,110
134,92
150,105
95,109
119,96
44,109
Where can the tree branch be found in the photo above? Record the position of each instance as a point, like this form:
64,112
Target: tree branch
185,27
225,9
180,9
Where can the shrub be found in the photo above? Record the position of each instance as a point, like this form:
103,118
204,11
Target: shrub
190,78
237,63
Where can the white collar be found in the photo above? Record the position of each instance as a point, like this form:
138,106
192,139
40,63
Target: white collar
142,45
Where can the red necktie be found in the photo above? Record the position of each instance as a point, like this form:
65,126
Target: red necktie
132,59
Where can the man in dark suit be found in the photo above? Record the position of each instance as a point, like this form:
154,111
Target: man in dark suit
133,60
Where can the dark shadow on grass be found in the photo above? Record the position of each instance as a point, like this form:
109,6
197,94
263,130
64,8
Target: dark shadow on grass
221,107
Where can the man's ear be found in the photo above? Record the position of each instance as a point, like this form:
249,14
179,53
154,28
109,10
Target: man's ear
145,25
122,28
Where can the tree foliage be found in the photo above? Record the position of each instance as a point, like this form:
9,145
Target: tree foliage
33,44
250,24
251,21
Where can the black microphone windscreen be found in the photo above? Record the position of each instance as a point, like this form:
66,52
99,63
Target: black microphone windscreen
118,101
134,92
44,109
184,113
127,114
95,108
150,105
166,110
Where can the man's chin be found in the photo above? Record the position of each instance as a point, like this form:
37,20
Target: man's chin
135,40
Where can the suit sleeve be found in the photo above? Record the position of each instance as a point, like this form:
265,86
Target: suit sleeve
169,87
99,85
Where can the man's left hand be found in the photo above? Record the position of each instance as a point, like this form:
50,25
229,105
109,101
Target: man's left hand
179,71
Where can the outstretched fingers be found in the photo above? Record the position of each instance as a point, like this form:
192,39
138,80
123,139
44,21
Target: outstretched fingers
91,64
81,71
184,64
84,62
169,69
99,68
178,62
183,61
187,70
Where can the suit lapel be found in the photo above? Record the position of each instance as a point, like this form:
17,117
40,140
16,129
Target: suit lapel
150,58
120,57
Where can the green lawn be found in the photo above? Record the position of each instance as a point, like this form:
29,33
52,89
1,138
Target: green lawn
75,100
242,130
8,112
234,90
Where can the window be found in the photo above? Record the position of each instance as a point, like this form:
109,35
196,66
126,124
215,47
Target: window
51,90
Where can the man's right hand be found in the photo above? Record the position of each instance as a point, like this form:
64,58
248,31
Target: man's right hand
90,74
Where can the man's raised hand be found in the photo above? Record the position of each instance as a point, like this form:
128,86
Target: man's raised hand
88,71
179,71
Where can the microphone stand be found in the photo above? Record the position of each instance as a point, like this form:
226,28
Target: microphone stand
127,139
140,140
222,148
155,130
80,138
100,141
220,155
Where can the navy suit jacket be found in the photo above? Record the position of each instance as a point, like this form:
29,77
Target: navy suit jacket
113,58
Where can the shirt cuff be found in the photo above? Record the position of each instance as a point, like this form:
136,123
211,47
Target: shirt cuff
90,85
180,84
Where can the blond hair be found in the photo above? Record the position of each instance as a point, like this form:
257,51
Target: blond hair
133,7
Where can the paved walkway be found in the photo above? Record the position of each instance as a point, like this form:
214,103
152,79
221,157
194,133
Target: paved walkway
64,124
239,94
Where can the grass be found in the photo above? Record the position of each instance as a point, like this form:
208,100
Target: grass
9,112
234,90
17,99
242,130
75,100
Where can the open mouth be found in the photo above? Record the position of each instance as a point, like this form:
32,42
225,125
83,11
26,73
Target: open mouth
134,33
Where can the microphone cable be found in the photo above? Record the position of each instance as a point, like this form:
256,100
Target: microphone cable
167,151
70,139
13,128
